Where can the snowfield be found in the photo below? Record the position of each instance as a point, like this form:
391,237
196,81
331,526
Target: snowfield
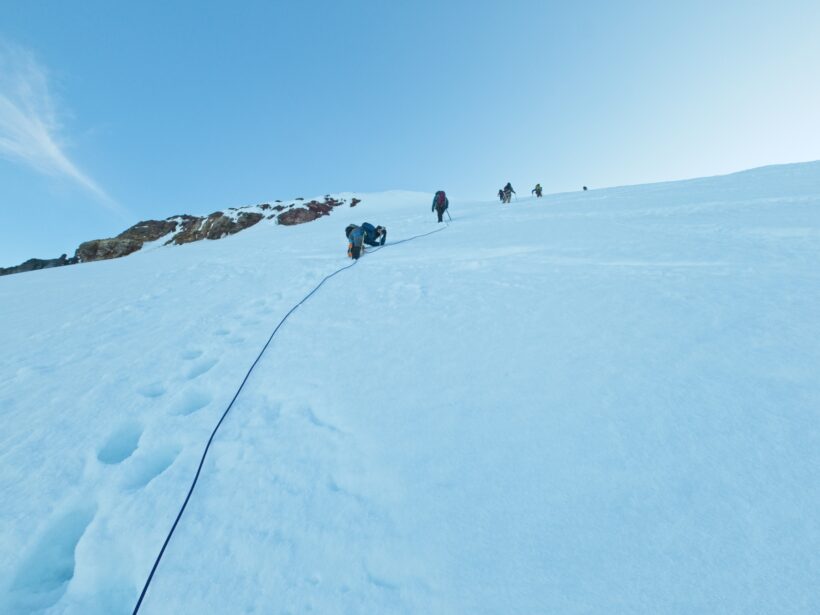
600,402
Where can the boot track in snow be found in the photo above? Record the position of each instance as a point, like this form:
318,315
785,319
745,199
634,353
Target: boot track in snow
236,395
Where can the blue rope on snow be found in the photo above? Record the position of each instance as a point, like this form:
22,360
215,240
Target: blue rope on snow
238,391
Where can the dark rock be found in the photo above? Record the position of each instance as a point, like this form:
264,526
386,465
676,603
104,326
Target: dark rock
103,249
215,226
323,209
311,211
187,229
34,264
149,230
184,229
300,215
355,202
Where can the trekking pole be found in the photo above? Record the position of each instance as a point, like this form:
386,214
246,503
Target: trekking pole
448,215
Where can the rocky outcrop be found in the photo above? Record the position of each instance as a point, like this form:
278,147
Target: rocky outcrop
298,215
215,226
104,249
149,230
311,211
127,242
186,229
34,264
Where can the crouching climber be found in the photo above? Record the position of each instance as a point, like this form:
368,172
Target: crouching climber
374,235
364,234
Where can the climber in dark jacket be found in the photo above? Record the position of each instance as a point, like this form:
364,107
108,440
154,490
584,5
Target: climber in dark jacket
374,235
508,192
440,204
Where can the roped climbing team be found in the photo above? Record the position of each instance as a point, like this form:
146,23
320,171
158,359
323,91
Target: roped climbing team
367,234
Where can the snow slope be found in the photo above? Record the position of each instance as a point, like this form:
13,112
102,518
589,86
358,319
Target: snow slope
603,402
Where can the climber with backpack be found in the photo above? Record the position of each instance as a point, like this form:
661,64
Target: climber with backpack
501,194
508,192
355,238
440,204
536,191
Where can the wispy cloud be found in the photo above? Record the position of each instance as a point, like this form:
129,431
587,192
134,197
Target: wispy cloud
29,126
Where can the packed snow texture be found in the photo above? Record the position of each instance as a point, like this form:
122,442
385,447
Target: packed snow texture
601,402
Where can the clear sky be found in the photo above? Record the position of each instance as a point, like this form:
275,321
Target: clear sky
112,112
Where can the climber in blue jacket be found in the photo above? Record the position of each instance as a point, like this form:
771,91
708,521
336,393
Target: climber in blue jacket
364,234
374,235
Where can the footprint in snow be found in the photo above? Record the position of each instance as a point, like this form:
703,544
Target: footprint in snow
190,402
120,445
190,355
148,467
202,366
44,573
151,390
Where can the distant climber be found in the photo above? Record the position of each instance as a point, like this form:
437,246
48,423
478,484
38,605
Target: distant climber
508,192
440,204
585,188
501,194
537,190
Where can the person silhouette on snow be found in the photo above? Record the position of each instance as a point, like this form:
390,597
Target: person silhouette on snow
508,192
501,194
537,190
440,204
364,234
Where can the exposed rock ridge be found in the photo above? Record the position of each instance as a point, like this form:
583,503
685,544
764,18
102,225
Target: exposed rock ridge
185,228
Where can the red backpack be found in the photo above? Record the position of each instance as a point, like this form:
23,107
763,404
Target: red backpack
441,199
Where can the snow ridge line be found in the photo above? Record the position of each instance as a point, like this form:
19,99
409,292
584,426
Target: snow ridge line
236,395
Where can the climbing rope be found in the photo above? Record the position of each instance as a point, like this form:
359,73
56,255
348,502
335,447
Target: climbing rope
238,391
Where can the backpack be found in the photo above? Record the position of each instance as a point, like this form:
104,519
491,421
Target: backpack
441,199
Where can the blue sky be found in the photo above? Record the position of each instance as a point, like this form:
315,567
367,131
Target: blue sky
115,112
